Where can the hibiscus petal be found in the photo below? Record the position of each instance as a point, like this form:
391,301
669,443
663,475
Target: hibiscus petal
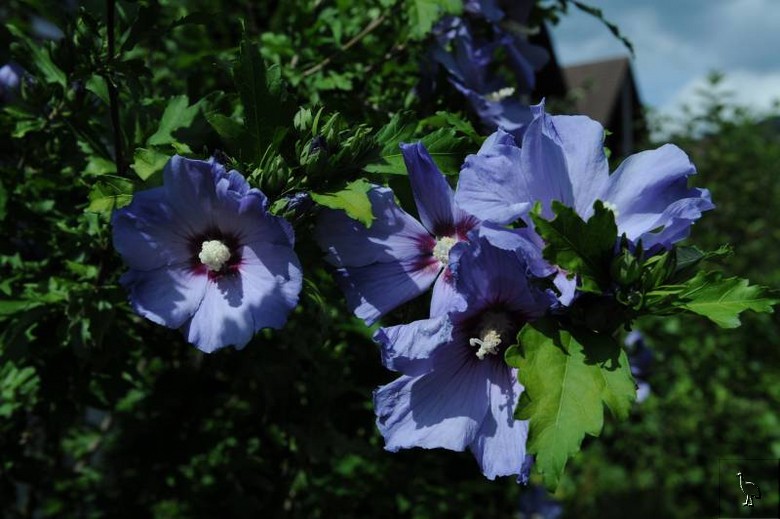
432,194
147,233
260,296
490,183
499,445
393,235
408,347
266,265
525,58
373,290
508,114
650,190
444,297
167,296
443,408
543,164
582,140
525,242
247,219
486,274
190,188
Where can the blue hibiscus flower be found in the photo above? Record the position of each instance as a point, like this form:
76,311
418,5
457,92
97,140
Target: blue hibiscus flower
10,79
562,158
455,390
397,258
206,257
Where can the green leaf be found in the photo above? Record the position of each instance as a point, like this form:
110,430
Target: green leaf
40,55
353,200
12,306
722,299
447,149
98,86
147,162
25,126
567,380
109,192
688,258
424,13
98,166
445,146
584,248
267,109
231,131
398,130
178,114
442,119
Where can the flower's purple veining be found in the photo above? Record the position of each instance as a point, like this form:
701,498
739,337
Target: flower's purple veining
206,256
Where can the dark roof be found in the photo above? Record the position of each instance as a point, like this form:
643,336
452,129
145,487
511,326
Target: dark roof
597,86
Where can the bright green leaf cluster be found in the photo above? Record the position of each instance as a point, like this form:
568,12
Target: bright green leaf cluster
577,246
567,375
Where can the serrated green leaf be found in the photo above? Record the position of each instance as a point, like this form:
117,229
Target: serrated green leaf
178,114
722,299
443,119
580,247
390,136
444,145
109,192
98,166
147,162
688,258
267,109
353,199
424,13
447,149
40,55
567,381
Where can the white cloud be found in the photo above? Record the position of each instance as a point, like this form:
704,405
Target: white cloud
678,42
758,92
754,90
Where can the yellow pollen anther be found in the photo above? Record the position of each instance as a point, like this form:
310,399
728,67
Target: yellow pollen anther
214,254
441,251
493,325
501,94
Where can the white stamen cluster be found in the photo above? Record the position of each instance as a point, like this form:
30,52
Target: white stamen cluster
441,251
609,206
493,325
214,254
501,94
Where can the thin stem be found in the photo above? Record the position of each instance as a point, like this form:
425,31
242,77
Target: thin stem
376,22
113,94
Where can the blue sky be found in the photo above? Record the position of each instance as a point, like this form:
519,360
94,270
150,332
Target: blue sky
678,42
